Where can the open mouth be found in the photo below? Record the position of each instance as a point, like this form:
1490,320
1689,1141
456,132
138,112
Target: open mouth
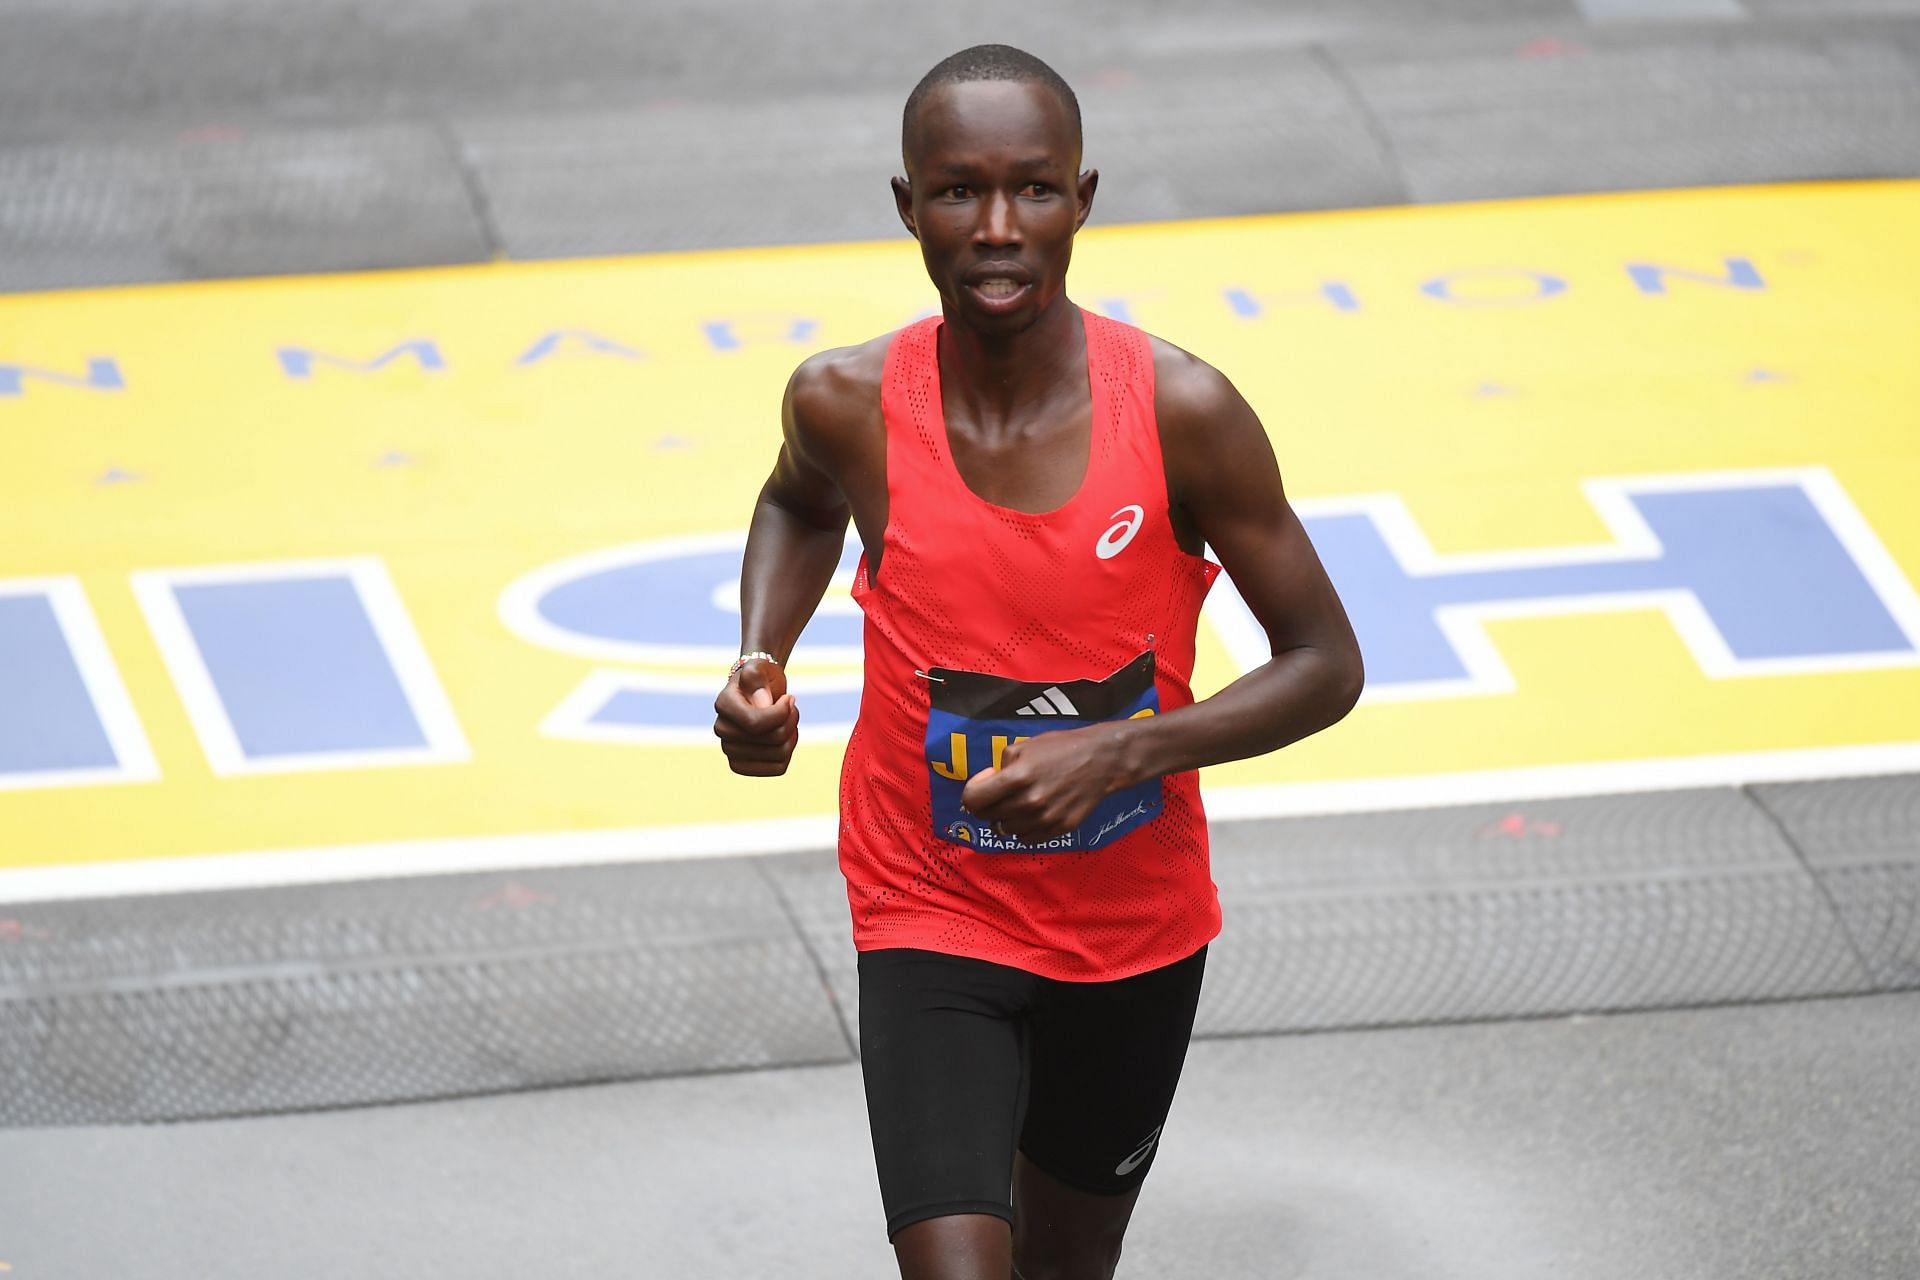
999,292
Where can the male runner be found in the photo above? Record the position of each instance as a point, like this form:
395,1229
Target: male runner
1021,831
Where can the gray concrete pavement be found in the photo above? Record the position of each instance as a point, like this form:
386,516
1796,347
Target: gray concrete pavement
158,141
1752,1143
245,1001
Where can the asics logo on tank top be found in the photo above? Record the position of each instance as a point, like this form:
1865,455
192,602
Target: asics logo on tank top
1120,533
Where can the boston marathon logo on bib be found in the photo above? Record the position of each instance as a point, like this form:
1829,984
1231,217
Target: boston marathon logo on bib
975,717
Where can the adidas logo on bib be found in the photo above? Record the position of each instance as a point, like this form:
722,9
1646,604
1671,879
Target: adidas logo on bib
1051,702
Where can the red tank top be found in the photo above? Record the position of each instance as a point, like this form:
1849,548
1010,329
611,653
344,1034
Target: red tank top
1074,594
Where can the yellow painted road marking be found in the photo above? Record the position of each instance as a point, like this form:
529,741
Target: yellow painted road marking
1479,361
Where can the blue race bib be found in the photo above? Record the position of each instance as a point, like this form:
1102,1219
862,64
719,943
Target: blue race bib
975,717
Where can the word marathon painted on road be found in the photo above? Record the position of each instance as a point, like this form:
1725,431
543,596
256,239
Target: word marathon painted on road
1499,287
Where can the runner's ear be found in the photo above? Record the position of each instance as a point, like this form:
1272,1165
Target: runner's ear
903,205
1089,182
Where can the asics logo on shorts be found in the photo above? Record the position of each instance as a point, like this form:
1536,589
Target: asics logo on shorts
1121,532
1140,1154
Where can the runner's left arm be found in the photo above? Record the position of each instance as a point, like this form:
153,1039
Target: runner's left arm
1225,484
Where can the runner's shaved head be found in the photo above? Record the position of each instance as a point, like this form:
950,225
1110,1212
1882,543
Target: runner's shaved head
986,62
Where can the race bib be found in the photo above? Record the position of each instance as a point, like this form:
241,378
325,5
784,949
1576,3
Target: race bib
975,717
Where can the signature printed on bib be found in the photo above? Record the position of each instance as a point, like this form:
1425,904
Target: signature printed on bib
975,717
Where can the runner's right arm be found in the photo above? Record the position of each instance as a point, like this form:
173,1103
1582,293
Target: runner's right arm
793,546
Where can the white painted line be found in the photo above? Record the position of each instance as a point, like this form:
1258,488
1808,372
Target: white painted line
337,863
87,645
718,840
1883,574
1542,782
392,627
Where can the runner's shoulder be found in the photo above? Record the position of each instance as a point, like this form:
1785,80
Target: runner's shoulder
1192,400
838,388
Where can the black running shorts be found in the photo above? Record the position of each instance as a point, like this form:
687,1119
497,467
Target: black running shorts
965,1060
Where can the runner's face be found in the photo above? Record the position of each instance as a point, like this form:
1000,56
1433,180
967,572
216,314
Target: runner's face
993,199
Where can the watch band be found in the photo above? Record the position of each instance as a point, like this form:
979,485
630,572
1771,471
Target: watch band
757,655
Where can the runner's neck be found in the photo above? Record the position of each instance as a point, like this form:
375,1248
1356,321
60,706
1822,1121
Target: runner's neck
994,379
